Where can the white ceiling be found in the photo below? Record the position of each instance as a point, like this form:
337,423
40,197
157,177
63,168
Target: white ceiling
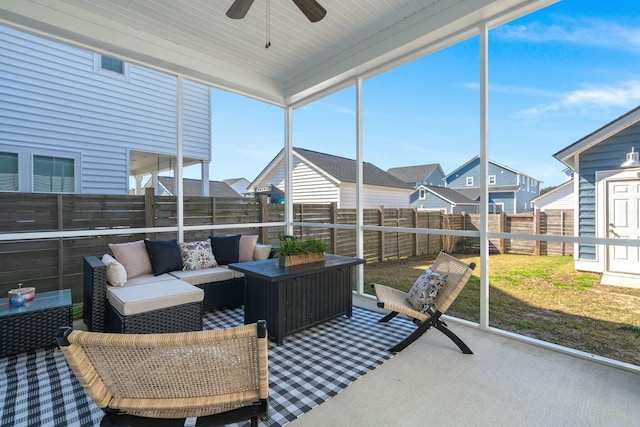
357,38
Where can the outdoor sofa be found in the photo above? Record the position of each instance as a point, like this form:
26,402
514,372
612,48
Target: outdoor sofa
162,286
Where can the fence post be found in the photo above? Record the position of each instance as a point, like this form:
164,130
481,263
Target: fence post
60,245
149,210
502,228
416,236
562,224
333,219
263,232
537,226
381,233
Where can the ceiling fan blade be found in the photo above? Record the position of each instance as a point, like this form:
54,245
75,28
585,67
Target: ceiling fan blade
239,9
311,9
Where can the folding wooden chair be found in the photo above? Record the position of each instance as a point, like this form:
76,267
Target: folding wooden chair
458,274
219,376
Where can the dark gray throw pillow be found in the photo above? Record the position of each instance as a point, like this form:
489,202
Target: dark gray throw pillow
226,249
164,255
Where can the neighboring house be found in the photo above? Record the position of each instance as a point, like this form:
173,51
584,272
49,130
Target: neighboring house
166,186
608,197
240,185
442,199
324,178
73,121
510,191
429,175
560,198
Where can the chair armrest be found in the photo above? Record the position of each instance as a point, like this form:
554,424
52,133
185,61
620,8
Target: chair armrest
94,293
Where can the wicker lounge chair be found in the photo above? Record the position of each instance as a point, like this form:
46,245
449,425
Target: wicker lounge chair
219,376
458,274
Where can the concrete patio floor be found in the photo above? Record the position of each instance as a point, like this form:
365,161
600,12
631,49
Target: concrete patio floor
504,383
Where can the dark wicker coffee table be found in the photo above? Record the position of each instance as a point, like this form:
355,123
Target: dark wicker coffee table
32,327
295,298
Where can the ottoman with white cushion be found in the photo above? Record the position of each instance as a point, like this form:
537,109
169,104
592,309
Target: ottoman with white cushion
164,306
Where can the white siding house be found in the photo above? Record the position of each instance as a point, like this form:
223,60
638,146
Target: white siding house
75,121
560,198
323,178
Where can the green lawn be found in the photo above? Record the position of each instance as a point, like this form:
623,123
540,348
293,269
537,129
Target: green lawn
540,297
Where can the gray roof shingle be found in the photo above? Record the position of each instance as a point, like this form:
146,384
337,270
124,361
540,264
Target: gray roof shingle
416,173
345,169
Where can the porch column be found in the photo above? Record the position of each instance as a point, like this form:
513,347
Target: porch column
359,188
179,164
288,173
204,178
484,168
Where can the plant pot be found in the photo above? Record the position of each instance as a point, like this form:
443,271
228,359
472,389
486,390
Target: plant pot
291,260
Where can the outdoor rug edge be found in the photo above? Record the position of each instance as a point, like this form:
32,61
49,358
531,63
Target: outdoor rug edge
311,366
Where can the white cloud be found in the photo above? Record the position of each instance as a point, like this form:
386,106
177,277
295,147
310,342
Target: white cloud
335,108
510,89
580,31
626,94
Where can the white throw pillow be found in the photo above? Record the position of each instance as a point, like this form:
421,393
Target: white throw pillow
261,251
425,290
116,274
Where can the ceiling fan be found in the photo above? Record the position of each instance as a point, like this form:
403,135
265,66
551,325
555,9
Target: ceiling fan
311,9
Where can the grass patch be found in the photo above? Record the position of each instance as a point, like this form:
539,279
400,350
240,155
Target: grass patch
77,311
541,297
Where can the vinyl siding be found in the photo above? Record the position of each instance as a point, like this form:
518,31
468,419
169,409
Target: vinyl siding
561,199
431,202
53,99
503,176
308,185
373,197
606,155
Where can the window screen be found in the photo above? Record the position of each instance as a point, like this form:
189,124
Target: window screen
53,175
8,171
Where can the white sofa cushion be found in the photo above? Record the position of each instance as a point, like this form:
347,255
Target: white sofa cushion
129,300
205,275
148,278
116,273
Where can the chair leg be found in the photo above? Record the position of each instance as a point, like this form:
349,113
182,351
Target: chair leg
441,326
388,317
422,328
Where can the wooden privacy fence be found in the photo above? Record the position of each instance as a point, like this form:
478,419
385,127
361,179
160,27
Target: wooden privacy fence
56,263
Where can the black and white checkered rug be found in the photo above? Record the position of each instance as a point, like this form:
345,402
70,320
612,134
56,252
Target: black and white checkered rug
38,389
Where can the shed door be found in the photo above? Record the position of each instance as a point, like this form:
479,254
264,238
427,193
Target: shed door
623,208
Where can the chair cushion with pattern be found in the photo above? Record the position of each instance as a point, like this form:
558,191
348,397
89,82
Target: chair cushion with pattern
425,290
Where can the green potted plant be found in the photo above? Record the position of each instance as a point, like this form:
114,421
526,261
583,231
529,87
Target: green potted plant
294,251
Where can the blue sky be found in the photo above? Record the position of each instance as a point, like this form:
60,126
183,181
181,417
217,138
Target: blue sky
554,77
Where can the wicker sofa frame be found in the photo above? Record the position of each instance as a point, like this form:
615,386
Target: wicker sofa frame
100,316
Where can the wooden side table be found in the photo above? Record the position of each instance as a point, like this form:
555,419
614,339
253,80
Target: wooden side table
32,327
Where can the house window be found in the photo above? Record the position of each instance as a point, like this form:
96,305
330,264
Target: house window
469,181
492,180
111,64
422,194
53,174
8,171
